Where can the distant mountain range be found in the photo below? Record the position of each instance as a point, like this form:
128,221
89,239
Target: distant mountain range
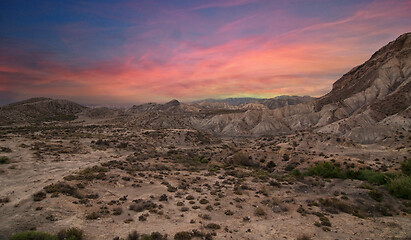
271,103
366,104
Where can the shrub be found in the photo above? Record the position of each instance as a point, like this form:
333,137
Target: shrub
70,234
163,198
140,205
228,212
117,211
326,170
154,236
39,196
259,212
304,237
242,159
214,226
406,167
90,173
62,188
33,235
92,216
4,160
183,236
133,235
290,166
5,149
271,165
400,187
297,174
372,177
334,205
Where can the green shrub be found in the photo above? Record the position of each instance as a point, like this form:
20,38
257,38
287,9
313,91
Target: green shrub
33,235
70,234
372,177
406,167
326,170
4,160
296,173
400,187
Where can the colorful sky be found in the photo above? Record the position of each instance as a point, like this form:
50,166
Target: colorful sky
128,52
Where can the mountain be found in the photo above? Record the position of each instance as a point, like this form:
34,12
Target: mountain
366,104
173,106
371,96
282,101
230,101
39,109
270,103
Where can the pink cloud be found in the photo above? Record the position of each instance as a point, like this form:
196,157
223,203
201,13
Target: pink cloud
224,4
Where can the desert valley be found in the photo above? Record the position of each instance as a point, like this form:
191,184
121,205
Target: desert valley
289,167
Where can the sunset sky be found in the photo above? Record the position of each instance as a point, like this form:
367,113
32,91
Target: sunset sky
128,52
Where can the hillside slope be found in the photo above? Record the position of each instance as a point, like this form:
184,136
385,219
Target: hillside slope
39,109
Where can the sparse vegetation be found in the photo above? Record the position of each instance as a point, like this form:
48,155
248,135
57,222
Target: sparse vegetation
406,167
33,235
304,237
242,159
4,160
400,187
259,212
70,234
376,195
213,226
325,169
183,236
39,196
92,216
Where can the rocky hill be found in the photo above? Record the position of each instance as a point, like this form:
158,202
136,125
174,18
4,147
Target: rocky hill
36,110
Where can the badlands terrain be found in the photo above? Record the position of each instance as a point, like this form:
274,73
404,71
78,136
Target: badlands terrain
334,167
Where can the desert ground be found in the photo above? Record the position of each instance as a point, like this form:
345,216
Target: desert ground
109,180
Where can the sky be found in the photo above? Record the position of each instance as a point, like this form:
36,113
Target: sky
128,52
